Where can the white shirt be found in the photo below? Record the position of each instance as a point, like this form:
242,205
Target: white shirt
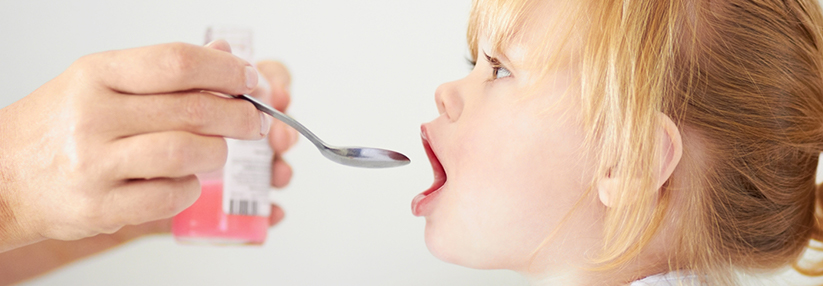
668,279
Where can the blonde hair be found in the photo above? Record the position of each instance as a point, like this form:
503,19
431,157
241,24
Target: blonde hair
741,79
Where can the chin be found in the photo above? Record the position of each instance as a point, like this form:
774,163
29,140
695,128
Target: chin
441,246
452,249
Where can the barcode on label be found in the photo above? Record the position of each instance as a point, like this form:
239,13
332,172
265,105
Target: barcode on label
244,207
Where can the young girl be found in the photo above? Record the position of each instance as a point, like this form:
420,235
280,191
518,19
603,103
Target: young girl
604,142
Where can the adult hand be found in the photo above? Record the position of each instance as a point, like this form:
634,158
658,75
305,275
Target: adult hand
116,140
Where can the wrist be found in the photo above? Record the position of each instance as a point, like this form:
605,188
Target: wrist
13,233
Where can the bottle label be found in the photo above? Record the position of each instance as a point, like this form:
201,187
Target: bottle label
246,178
247,173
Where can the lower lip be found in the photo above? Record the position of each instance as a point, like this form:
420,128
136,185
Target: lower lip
423,204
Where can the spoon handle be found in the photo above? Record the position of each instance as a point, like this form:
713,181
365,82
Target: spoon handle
285,118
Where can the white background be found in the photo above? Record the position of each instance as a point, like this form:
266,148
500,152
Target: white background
364,74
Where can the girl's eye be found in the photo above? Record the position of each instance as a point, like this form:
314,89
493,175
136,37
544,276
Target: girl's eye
499,72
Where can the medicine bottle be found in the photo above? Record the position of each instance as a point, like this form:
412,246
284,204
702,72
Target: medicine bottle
233,207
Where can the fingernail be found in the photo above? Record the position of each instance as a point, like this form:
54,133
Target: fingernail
251,77
210,43
265,124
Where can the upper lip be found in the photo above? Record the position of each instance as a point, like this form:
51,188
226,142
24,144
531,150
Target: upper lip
437,167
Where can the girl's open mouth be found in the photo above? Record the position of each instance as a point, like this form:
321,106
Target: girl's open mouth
421,205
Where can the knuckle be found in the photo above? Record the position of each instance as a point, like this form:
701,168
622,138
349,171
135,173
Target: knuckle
196,110
181,153
84,68
179,58
251,121
86,121
93,213
84,62
93,60
177,152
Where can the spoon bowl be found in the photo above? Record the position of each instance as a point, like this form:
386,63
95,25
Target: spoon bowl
362,157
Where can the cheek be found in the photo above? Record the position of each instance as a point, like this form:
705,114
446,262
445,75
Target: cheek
519,156
512,180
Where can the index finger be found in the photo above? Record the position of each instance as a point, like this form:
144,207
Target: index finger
171,67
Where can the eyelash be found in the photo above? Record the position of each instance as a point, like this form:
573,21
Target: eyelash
497,67
494,62
472,62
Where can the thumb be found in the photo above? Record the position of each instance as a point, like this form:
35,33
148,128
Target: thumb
279,80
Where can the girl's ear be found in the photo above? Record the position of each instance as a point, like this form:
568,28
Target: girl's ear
670,150
607,188
670,146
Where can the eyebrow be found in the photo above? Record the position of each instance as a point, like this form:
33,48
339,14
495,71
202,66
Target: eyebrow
496,60
490,59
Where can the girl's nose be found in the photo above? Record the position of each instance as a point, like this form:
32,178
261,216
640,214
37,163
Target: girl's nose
449,100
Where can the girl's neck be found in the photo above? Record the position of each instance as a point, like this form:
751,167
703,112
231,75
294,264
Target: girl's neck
582,274
583,278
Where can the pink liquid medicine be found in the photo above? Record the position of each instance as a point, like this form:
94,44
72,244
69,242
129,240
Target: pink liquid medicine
205,221
233,207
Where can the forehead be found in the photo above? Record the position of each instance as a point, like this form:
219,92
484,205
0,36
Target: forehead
541,28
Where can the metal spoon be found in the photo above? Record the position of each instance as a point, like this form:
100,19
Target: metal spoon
349,156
